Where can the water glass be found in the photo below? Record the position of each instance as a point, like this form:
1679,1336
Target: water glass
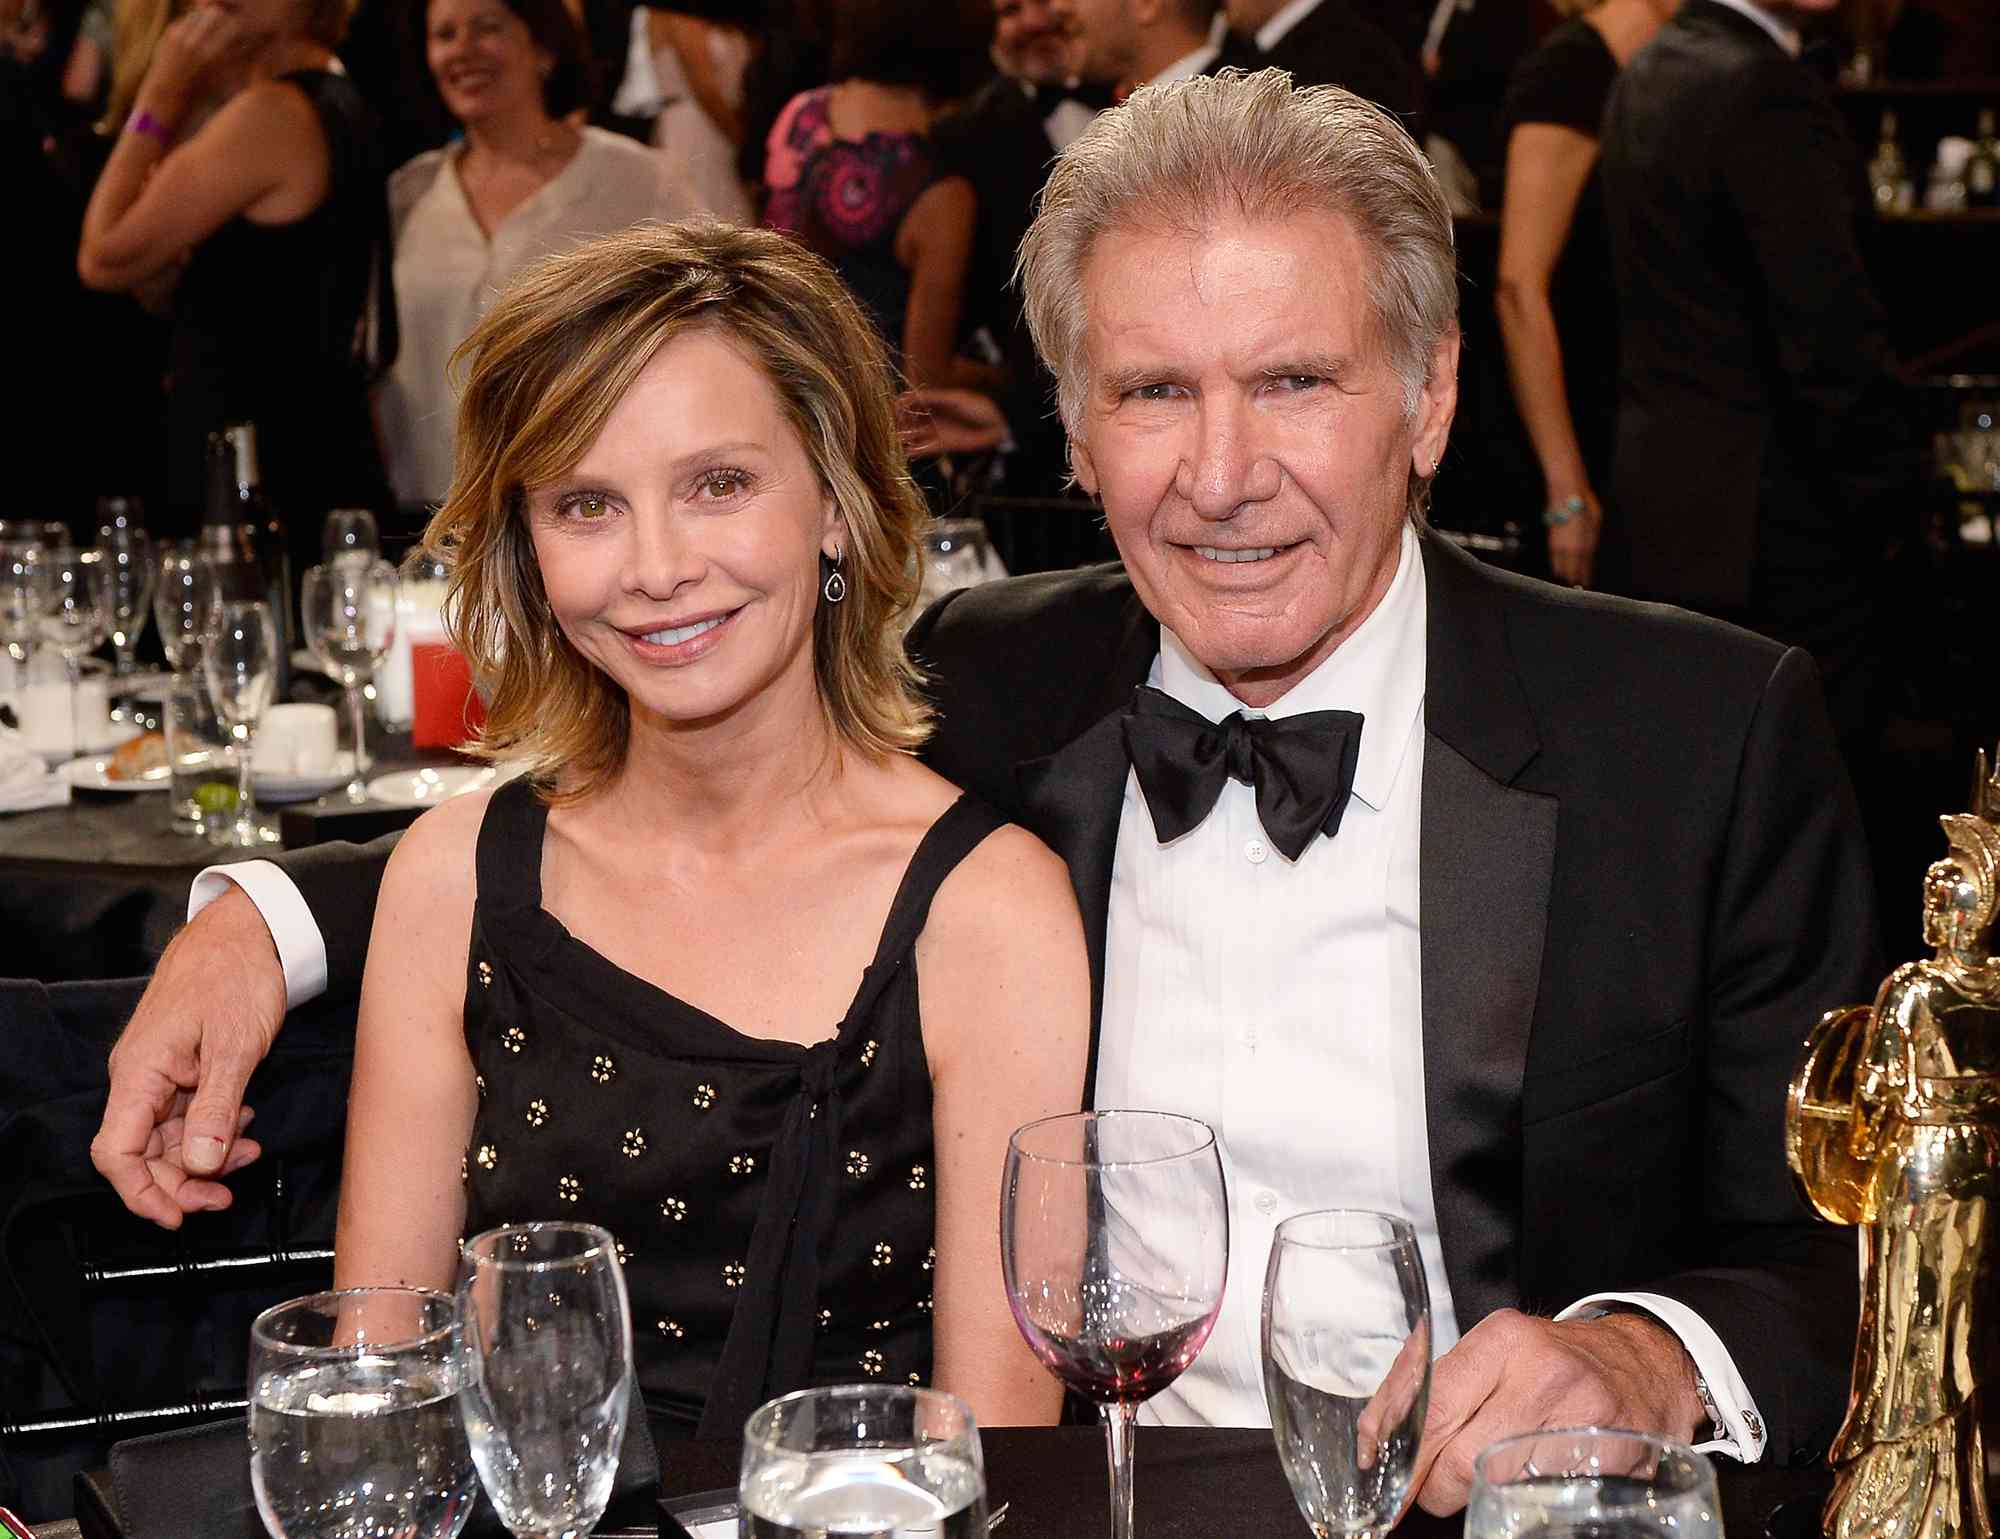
882,1460
546,1343
1114,1247
1592,1483
239,664
201,759
354,1424
348,608
127,553
75,612
1347,1365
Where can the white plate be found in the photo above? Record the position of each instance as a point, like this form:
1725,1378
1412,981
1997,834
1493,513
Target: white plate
91,773
275,790
150,684
55,758
422,788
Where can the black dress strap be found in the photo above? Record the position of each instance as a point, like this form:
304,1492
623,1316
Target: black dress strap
508,862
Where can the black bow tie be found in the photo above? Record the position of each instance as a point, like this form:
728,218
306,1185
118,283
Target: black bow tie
1301,767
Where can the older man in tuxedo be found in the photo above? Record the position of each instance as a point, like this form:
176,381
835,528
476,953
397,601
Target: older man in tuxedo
1430,888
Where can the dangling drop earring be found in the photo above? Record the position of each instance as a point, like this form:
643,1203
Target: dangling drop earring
835,586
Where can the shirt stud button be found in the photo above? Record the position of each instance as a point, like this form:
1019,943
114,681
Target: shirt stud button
1255,850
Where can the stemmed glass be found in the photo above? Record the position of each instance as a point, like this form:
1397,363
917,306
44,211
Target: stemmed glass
354,1424
1114,1245
23,595
880,1459
348,608
349,534
1592,1480
1347,1365
76,605
240,663
127,553
187,603
546,1344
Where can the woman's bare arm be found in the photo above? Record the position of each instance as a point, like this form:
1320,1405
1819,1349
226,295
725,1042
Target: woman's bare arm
1006,1007
1547,167
263,154
935,244
411,1106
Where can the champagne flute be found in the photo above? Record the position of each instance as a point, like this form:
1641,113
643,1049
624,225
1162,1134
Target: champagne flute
1592,1483
1114,1246
127,553
348,607
349,534
23,594
187,603
546,1343
240,664
1347,1365
354,1424
884,1460
74,613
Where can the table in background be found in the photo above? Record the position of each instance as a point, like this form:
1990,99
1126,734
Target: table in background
95,889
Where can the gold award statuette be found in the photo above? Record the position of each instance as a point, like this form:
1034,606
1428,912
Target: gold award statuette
1893,1124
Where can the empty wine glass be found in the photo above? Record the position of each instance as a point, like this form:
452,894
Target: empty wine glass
1567,1483
1347,1365
1114,1245
349,534
76,605
877,1459
187,603
127,553
354,1423
546,1342
239,661
348,607
23,585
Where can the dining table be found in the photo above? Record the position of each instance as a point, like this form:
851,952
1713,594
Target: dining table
1191,1483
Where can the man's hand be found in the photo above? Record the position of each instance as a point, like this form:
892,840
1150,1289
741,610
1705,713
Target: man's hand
1513,1373
173,1121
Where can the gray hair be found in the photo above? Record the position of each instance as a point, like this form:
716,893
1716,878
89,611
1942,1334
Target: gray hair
1182,153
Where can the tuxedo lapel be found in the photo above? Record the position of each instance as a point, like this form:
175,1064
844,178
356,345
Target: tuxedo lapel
1485,864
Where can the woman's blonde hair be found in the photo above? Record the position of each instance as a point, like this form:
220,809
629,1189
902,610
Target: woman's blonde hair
543,371
136,29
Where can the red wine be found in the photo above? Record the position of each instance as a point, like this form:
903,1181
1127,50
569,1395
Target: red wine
1112,1368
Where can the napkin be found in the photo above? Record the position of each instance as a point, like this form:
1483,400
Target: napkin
25,782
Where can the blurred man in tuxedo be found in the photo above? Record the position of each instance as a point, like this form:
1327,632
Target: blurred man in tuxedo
1766,452
1431,889
1124,44
1324,42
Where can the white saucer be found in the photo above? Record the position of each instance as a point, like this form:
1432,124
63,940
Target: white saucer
422,788
276,790
91,773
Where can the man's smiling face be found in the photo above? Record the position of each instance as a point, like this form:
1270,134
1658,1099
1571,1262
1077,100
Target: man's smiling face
1248,436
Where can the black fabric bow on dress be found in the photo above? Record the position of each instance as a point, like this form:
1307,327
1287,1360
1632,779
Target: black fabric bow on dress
1301,767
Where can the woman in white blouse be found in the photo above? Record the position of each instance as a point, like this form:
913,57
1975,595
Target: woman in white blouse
523,182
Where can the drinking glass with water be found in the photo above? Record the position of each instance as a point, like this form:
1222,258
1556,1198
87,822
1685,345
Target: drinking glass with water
1592,1483
546,1348
1347,1365
862,1460
354,1422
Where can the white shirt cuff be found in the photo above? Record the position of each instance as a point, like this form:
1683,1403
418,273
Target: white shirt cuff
1742,1426
301,948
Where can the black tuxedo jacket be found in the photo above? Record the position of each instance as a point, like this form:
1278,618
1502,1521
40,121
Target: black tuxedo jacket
1759,415
1641,881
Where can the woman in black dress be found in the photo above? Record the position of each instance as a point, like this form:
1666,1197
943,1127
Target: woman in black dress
727,971
275,203
1555,297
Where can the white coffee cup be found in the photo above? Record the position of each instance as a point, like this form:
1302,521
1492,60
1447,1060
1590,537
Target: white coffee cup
43,710
296,740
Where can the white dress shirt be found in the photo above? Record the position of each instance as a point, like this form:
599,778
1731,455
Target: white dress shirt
1786,37
448,271
1281,1003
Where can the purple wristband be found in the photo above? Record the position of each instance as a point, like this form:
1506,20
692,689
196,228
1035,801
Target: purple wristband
143,122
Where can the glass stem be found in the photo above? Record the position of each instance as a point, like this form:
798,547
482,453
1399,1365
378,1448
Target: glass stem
355,710
1120,1422
74,667
246,823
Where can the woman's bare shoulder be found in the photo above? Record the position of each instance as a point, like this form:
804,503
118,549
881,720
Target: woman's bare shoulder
433,863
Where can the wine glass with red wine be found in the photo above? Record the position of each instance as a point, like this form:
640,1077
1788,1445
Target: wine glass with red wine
1114,1240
